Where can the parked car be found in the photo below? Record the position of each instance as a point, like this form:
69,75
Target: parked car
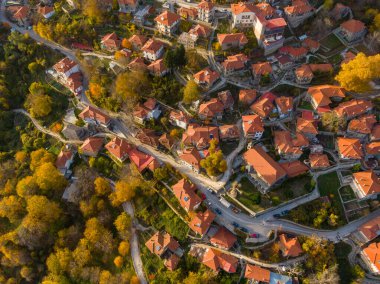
276,215
255,236
218,211
285,212
236,225
245,230
235,210
203,196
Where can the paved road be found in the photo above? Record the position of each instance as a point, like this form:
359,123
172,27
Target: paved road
261,224
279,265
46,130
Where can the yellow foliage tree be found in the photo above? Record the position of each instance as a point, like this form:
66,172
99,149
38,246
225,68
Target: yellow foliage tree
126,43
21,157
26,186
48,178
123,224
97,91
40,156
357,74
191,92
123,192
118,261
12,207
123,248
102,186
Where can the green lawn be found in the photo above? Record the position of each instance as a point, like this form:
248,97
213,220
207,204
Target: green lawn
328,185
331,42
251,197
306,105
342,250
347,193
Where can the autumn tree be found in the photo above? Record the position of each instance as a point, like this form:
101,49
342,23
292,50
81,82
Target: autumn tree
123,192
42,217
332,122
93,10
123,223
125,43
319,252
214,163
191,92
40,156
100,238
123,248
12,208
49,179
329,275
118,261
130,85
102,186
39,105
97,91
27,186
358,73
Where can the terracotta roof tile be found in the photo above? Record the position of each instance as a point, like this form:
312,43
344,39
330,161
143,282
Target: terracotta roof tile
247,97
350,148
207,75
216,260
371,229
373,254
353,108
223,238
167,18
191,157
362,124
200,136
229,132
353,26
232,38
262,68
269,170
318,161
185,193
290,246
118,147
257,273
160,242
92,145
202,221
252,124
262,107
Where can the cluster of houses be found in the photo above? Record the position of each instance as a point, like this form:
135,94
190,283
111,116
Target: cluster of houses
216,257
67,72
366,237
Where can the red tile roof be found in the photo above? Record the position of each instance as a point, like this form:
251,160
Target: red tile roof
64,65
157,67
368,181
262,68
207,75
172,262
206,5
152,46
290,246
322,94
235,62
142,160
257,273
373,148
96,114
295,52
232,38
160,242
294,168
229,132
285,104
299,8
211,108
252,124
362,124
167,18
223,238
92,145
286,144
371,229
200,136
200,31
64,156
138,40
318,161
118,147
373,254
247,96
264,165
306,126
216,260
353,108
202,221
45,10
185,193
311,44
191,157
350,148
111,40
262,107
353,26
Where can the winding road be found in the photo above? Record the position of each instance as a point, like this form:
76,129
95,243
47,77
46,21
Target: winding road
261,224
